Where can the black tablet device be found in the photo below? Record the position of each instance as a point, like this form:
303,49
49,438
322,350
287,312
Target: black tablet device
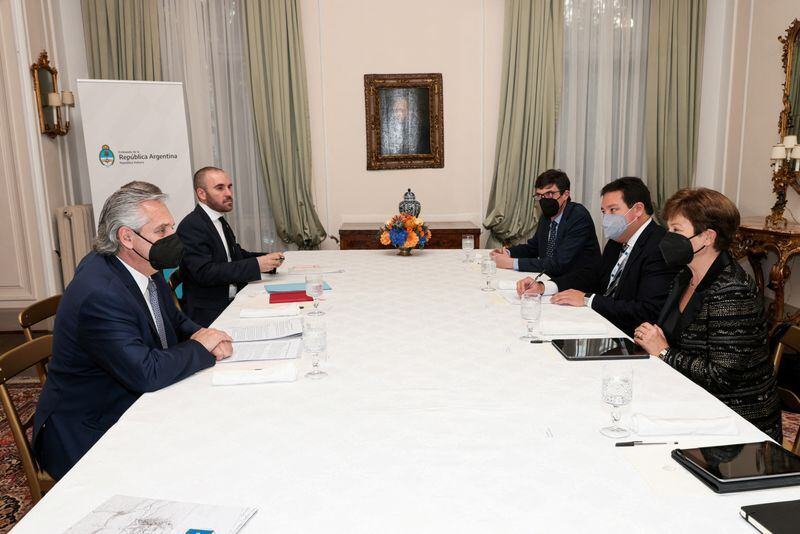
604,348
742,466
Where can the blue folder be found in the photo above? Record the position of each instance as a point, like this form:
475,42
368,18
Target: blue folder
287,288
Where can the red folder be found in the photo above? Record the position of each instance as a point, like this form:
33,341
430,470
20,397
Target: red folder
290,296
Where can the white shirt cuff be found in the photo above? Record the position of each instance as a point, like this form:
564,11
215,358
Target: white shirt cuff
550,287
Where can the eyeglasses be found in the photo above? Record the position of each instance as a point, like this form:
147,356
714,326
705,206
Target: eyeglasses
548,194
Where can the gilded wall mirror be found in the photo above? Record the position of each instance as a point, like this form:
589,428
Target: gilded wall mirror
790,116
45,82
784,174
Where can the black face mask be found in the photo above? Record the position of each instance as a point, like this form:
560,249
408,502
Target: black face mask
165,253
549,206
677,249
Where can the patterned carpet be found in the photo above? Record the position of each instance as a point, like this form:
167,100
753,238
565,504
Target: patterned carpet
15,497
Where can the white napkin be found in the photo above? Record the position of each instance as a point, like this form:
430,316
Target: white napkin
645,425
272,372
556,328
280,310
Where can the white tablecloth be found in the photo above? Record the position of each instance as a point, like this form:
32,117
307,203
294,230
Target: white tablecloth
435,418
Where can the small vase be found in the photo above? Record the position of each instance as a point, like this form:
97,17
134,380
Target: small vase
404,252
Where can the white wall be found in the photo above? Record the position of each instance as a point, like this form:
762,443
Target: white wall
462,39
755,89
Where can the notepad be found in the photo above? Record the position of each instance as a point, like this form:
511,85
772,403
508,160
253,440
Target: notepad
294,296
290,288
773,517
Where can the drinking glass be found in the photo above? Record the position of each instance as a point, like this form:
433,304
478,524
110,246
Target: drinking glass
314,341
531,310
617,391
467,245
488,270
314,289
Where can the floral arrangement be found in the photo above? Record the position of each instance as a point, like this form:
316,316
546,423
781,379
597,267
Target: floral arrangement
404,231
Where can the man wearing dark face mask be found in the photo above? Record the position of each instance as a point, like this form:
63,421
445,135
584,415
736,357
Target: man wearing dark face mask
117,333
565,237
631,283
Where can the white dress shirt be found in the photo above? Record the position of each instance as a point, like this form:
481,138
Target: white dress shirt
215,216
551,288
141,281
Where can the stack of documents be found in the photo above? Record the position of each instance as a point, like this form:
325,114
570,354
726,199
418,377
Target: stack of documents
134,514
291,288
274,339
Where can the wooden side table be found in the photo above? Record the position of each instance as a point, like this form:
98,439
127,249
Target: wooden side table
443,235
753,240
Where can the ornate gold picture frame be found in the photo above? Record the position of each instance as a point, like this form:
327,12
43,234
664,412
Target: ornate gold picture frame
405,127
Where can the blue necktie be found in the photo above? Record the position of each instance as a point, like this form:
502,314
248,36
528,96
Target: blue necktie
551,239
152,294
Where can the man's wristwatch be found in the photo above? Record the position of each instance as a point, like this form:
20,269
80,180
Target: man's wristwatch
663,353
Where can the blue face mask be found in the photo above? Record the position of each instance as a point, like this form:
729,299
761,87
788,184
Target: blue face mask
614,224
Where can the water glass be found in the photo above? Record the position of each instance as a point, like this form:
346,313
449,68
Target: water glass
617,390
488,270
314,289
531,311
467,245
315,342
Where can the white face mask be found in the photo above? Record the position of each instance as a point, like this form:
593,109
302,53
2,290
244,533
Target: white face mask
614,224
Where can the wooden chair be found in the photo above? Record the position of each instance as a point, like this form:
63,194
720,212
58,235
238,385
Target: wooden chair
36,313
789,399
13,363
175,279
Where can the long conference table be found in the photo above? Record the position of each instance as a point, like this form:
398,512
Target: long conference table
435,417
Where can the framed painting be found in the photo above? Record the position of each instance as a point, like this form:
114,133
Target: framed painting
405,129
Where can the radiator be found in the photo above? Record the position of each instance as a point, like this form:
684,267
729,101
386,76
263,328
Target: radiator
75,227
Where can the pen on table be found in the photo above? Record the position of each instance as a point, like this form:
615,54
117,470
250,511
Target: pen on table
637,443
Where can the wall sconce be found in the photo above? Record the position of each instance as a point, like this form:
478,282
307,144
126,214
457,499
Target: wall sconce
785,161
48,99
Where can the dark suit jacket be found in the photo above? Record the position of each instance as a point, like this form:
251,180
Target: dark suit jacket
576,244
205,268
643,285
106,353
720,341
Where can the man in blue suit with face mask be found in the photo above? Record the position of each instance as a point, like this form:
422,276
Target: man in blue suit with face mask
630,285
564,238
117,332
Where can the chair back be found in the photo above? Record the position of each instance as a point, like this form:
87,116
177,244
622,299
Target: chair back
789,399
34,314
12,363
174,281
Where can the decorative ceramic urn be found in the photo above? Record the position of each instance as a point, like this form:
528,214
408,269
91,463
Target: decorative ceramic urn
410,204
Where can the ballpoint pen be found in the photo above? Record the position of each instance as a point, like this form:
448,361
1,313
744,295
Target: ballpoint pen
637,443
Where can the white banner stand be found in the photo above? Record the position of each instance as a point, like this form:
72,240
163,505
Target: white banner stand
136,131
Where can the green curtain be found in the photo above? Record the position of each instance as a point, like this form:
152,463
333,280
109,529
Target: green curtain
530,97
122,39
674,72
280,103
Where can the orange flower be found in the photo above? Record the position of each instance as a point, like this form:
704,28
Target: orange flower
411,240
385,239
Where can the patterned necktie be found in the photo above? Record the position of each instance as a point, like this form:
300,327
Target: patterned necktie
152,294
616,274
551,239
